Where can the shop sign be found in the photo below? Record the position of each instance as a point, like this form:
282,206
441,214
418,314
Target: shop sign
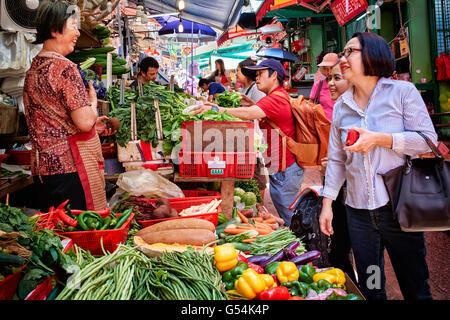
345,10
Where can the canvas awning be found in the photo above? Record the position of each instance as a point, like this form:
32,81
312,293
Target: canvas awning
222,14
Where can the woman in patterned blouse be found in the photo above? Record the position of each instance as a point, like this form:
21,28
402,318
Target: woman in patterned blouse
59,110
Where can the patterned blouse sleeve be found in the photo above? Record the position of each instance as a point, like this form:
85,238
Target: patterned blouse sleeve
73,91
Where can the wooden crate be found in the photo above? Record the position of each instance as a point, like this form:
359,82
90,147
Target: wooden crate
9,119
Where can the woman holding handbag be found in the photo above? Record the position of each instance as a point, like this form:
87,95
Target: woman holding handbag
385,113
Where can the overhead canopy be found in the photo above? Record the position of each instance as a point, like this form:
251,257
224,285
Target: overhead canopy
222,14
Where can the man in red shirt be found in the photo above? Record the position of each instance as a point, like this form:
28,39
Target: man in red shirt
284,185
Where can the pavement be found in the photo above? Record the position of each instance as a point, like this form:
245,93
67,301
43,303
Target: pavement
437,244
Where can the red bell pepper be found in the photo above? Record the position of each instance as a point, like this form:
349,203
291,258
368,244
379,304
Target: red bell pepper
255,267
296,298
242,258
277,293
352,137
274,276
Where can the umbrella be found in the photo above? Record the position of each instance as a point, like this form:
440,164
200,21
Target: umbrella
278,54
191,31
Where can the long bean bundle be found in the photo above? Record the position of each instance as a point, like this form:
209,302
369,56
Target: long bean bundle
274,242
127,274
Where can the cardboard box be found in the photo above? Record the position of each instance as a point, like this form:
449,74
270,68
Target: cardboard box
351,287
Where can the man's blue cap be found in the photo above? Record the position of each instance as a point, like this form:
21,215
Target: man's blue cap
273,64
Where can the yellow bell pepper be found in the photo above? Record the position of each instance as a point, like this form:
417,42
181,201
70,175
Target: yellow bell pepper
226,257
250,284
287,272
339,274
268,280
333,276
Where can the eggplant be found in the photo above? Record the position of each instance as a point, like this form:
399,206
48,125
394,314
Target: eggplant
289,250
259,259
306,257
280,254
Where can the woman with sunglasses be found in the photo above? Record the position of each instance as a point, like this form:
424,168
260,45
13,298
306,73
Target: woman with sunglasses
385,113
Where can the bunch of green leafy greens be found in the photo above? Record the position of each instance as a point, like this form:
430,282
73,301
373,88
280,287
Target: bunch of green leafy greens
47,257
250,186
13,219
229,99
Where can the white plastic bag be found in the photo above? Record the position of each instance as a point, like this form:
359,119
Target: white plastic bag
147,183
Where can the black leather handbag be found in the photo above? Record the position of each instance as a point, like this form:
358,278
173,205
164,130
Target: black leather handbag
419,192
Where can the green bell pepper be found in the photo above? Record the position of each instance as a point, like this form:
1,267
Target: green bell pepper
232,275
272,267
306,273
352,296
323,285
296,288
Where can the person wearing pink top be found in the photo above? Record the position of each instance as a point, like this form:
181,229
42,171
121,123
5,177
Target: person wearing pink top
320,88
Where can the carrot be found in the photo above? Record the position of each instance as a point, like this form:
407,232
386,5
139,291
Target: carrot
257,219
264,231
243,218
234,230
262,225
246,228
248,240
270,221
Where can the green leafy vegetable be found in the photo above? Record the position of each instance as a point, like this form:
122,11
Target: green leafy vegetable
229,99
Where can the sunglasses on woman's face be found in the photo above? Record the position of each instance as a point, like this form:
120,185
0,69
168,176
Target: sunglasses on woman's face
347,52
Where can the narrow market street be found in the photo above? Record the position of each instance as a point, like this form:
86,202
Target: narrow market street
223,156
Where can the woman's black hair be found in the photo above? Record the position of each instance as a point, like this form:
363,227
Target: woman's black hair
376,55
51,17
250,74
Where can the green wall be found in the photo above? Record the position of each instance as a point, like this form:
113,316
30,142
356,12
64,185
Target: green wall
316,38
419,40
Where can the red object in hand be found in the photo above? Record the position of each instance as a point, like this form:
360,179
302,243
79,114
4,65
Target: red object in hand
242,258
277,293
255,267
352,137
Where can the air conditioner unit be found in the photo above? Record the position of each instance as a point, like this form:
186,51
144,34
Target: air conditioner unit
18,15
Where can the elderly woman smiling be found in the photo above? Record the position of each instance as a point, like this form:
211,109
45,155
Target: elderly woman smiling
62,117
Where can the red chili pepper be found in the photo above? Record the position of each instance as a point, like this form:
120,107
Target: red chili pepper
76,211
242,258
255,267
277,293
104,212
66,219
352,136
62,205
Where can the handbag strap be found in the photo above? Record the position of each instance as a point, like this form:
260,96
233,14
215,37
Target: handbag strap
433,148
317,98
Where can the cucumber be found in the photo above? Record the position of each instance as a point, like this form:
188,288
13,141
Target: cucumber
11,260
241,246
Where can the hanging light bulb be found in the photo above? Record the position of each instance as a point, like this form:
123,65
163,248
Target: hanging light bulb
180,26
181,5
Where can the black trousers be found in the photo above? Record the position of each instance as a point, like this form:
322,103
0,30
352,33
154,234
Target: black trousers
57,188
340,254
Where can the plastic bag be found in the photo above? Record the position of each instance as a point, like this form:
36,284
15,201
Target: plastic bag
147,183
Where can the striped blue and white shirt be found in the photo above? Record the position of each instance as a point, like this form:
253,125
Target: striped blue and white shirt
394,107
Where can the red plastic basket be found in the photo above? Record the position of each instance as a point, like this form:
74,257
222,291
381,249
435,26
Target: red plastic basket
9,285
179,205
217,165
3,156
22,157
90,240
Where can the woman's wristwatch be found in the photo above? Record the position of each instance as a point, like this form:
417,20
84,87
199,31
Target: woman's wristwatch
215,108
